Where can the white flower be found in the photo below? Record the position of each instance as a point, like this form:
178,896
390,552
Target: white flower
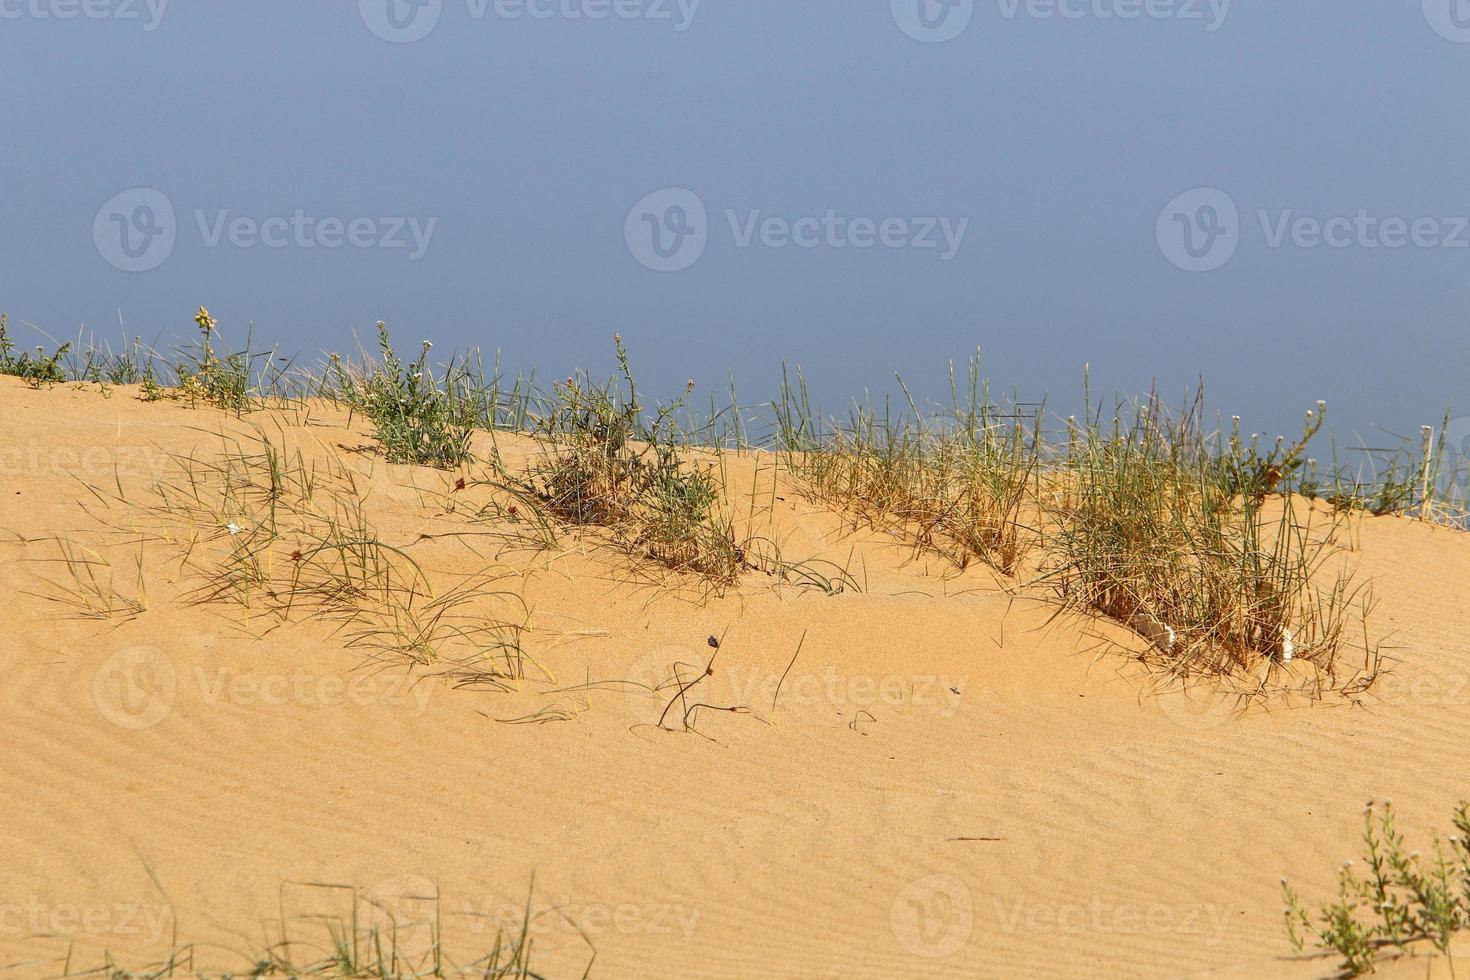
233,528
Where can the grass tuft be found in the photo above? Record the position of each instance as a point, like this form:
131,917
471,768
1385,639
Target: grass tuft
601,463
418,419
39,369
954,485
1160,532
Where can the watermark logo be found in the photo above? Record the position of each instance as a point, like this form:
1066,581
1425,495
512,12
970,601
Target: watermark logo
1097,917
401,912
148,12
668,230
1439,690
35,457
136,230
138,687
401,21
932,21
937,21
406,21
1449,18
1456,460
654,679
933,917
800,689
37,917
1201,706
135,688
1211,13
1199,231
297,687
550,921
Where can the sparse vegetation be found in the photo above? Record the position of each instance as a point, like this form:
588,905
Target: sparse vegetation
416,417
38,369
1159,532
1209,547
223,382
1402,898
1199,547
364,942
956,485
259,528
601,463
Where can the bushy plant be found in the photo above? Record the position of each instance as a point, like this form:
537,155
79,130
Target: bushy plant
417,418
603,463
1402,899
38,369
223,382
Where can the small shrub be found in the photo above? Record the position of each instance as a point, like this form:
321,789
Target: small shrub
1403,898
221,382
38,369
1247,472
417,419
602,463
99,364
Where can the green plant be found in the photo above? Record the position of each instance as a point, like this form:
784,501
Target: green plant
362,942
38,369
956,486
417,418
223,382
258,528
98,363
1403,899
1162,535
1245,470
602,463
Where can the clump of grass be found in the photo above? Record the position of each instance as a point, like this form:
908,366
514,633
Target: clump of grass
92,591
418,419
1402,899
601,462
260,529
1420,481
200,375
96,362
223,382
955,486
1160,532
39,369
392,945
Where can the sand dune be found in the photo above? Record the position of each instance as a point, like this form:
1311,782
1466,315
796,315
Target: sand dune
951,782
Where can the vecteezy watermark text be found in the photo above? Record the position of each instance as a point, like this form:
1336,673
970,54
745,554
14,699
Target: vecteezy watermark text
137,688
38,917
669,230
149,13
406,21
137,230
1023,914
1201,230
937,21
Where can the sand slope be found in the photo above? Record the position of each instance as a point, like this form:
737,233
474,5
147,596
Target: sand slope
951,784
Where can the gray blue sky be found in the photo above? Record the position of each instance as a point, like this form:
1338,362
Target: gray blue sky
1273,195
